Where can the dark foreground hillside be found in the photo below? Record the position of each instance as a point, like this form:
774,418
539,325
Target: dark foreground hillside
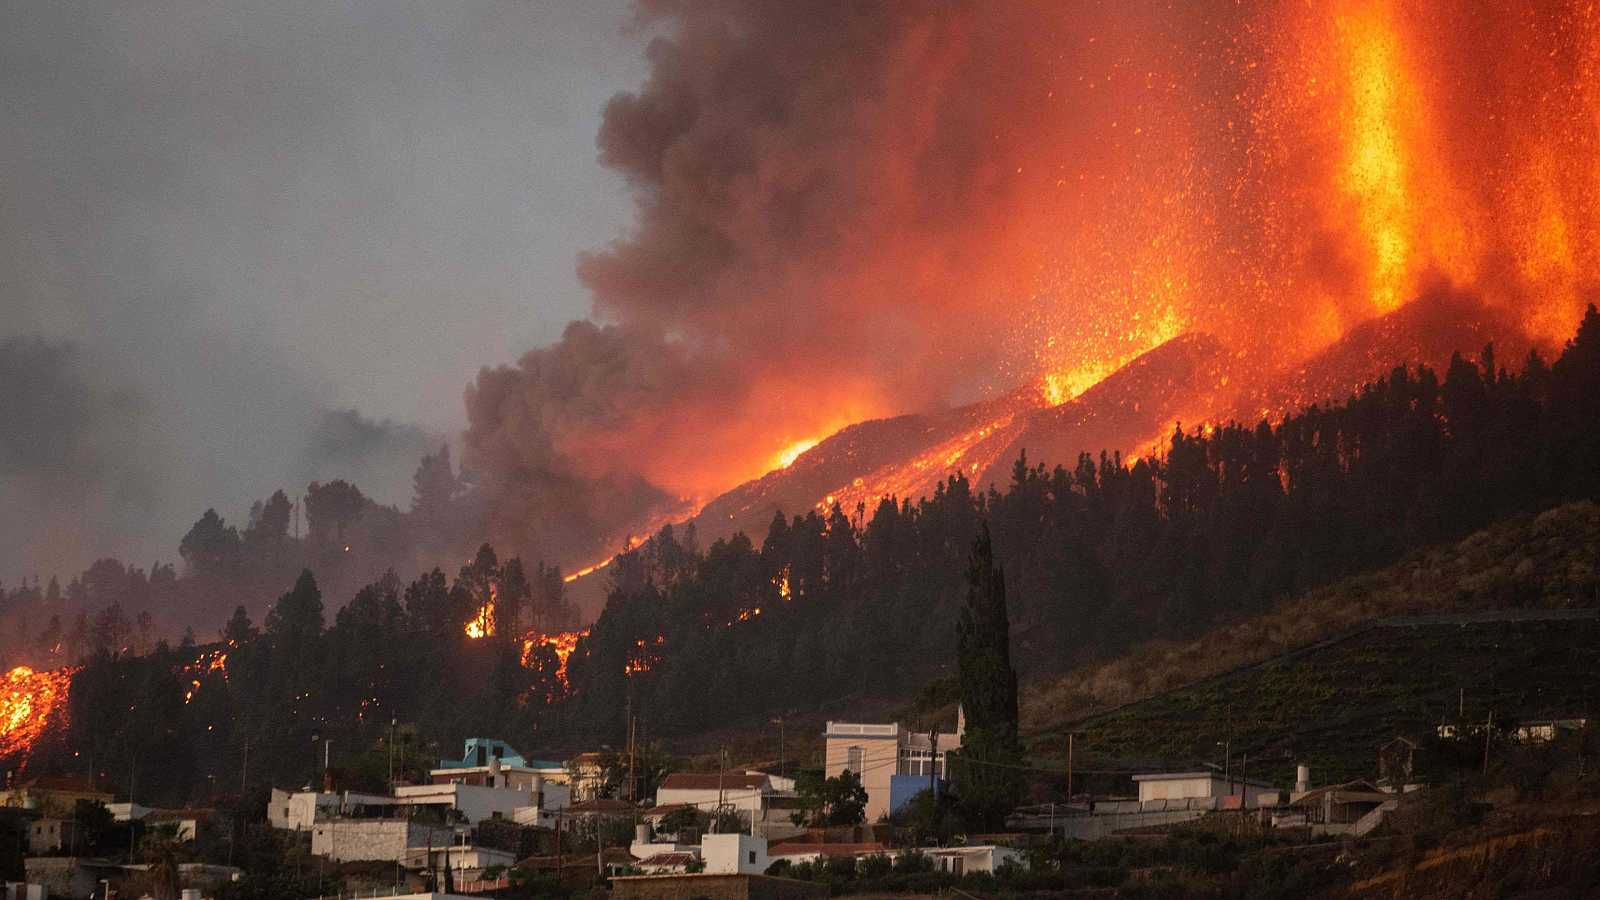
1333,707
1550,560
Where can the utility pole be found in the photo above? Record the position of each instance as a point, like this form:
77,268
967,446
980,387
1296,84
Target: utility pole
133,818
633,784
393,721
1070,736
1488,729
722,767
244,768
778,721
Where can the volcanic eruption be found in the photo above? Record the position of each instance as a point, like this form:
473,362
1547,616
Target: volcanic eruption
944,224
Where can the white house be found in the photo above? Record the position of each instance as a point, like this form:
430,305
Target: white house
474,802
1157,787
129,812
982,858
466,862
298,810
734,854
893,762
744,792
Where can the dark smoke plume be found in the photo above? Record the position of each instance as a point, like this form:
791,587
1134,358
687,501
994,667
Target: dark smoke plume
853,209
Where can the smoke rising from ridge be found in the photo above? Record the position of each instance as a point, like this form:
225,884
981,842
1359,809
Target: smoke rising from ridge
847,210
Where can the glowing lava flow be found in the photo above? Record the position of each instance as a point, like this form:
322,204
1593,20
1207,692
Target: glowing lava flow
30,702
785,458
971,451
563,643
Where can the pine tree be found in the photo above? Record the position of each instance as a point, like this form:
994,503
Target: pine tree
296,619
239,630
985,771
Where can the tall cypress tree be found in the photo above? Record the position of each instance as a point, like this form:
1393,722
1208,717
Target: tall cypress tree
986,771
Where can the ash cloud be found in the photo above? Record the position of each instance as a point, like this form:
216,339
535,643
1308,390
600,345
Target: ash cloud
378,455
73,456
252,218
836,217
850,210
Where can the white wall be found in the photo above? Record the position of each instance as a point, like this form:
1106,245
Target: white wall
745,800
974,859
475,803
1175,789
734,854
1200,786
297,811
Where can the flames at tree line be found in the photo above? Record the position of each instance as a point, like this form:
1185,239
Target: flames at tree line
1005,218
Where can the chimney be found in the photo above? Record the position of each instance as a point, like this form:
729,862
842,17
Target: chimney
1302,779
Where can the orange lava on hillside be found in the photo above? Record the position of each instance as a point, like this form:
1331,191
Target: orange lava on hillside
31,703
563,643
212,662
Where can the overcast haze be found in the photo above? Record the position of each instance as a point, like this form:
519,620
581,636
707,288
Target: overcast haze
223,226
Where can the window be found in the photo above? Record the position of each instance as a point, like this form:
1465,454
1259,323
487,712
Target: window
752,857
922,763
855,759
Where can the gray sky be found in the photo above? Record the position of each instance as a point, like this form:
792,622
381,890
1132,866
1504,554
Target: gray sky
241,216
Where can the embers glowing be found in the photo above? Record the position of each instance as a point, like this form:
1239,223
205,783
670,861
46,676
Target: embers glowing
211,662
644,656
30,704
563,643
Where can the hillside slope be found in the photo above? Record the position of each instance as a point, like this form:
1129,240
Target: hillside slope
1548,561
1312,682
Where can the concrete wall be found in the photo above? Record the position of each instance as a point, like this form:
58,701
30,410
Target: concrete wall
713,887
385,840
62,876
1090,828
